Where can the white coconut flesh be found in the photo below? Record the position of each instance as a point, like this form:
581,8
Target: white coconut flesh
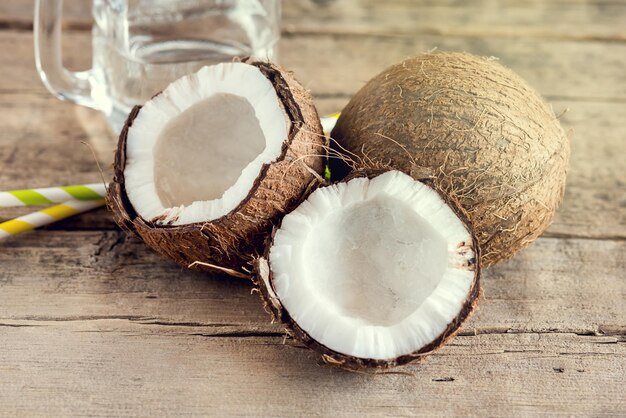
373,268
194,151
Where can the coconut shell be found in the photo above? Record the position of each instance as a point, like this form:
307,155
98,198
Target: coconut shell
229,243
264,281
476,128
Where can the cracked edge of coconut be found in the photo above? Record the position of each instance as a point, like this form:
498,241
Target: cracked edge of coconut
344,312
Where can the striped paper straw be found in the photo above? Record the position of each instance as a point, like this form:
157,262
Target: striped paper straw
47,216
44,196
328,122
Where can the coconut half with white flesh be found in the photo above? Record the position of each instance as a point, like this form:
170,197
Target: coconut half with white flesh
206,168
372,272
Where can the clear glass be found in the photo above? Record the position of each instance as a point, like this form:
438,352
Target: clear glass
140,46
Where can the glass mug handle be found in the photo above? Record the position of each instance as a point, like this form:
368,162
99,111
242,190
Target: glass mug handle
66,85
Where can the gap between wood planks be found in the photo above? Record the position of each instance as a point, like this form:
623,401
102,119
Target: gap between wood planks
458,33
549,97
37,92
227,330
69,226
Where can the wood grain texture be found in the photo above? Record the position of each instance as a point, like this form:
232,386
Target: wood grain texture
94,323
570,19
330,73
99,316
100,367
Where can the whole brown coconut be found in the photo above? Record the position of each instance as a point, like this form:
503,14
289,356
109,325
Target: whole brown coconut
228,242
484,135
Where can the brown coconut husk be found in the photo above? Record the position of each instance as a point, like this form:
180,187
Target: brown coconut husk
476,128
264,280
228,244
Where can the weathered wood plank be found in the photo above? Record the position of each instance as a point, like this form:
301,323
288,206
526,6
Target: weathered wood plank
557,19
570,285
583,20
339,65
558,69
61,368
44,142
19,14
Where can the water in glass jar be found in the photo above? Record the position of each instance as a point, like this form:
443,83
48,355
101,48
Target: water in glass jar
140,46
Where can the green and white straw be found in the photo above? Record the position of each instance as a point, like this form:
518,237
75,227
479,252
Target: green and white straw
74,199
47,195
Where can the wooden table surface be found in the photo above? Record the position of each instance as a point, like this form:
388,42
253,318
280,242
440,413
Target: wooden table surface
93,323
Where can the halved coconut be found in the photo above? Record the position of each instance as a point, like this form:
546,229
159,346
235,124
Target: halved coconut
373,272
205,168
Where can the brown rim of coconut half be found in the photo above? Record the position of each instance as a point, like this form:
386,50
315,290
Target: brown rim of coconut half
227,192
372,272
